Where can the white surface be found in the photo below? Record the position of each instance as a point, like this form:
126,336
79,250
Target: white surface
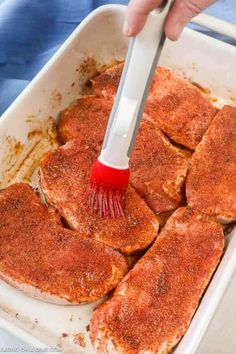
14,345
8,341
221,335
194,56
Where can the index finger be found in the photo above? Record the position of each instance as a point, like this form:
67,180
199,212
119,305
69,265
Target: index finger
136,15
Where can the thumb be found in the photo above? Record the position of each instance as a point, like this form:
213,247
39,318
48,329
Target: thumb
181,13
136,15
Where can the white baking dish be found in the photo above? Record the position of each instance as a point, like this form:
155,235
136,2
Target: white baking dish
99,40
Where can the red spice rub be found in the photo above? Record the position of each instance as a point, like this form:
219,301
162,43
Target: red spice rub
179,108
85,120
211,184
158,169
106,83
64,179
39,256
152,307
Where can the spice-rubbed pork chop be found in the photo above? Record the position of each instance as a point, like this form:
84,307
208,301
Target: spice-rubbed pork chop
45,260
106,83
211,183
158,169
64,179
153,305
85,120
178,108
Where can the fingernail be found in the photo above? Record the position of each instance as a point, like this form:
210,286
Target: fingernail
178,29
126,29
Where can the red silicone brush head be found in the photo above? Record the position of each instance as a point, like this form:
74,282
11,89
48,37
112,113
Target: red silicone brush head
106,191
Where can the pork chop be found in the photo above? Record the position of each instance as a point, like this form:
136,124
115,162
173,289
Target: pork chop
64,179
106,83
45,260
85,120
211,184
179,108
152,307
158,169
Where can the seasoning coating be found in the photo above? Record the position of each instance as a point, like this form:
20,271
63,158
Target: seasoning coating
39,256
64,179
158,169
107,83
152,307
85,120
211,183
181,110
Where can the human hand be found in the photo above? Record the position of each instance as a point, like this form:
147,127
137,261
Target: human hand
180,14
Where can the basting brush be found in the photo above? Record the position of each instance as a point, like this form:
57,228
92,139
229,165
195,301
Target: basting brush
110,173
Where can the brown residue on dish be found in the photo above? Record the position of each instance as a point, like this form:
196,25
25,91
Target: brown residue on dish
201,88
13,149
87,328
228,228
16,146
79,339
88,68
30,119
33,133
205,91
55,99
21,160
64,335
213,99
233,99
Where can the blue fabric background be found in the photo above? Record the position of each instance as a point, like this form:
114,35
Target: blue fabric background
32,30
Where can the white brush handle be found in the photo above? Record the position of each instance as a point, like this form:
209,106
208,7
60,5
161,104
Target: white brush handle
141,61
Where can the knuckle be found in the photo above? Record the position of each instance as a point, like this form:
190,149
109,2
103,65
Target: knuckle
194,6
143,7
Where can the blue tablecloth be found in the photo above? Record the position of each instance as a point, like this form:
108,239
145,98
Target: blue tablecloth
32,30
